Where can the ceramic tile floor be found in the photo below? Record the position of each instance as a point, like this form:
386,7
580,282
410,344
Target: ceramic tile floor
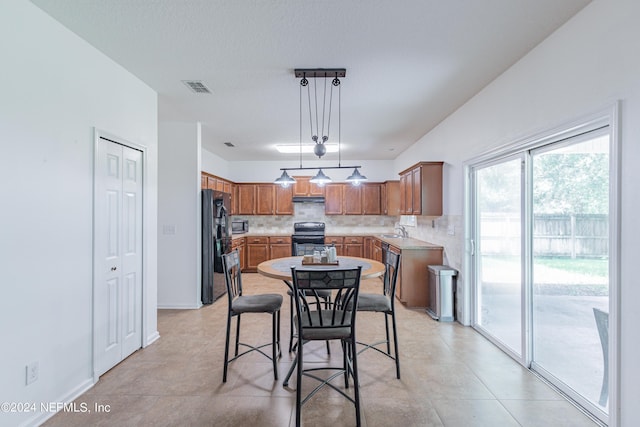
451,376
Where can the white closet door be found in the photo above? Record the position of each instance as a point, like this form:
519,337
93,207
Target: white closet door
118,253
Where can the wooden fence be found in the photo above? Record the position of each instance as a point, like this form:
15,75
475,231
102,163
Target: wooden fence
575,236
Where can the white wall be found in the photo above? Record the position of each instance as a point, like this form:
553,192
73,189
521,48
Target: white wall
179,216
584,66
54,89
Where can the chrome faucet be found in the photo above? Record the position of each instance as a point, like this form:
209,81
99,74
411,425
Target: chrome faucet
403,231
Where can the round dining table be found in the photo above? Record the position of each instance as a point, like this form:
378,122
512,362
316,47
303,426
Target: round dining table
280,268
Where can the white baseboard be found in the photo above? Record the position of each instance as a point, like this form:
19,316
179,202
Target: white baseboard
40,418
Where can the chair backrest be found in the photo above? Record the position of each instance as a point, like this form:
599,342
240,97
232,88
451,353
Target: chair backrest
391,263
311,314
602,322
300,249
232,276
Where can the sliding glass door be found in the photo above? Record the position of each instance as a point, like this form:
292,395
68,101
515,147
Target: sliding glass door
499,288
540,244
571,265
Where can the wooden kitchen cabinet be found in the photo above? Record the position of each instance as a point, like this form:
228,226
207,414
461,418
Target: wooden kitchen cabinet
336,241
246,199
390,198
412,288
283,200
333,199
265,199
353,246
421,189
279,246
304,188
234,200
368,247
257,251
377,250
240,244
371,198
352,199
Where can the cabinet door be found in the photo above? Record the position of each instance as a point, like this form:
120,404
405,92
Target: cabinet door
256,253
391,198
377,250
246,199
336,241
211,183
301,187
265,197
352,199
406,194
371,199
333,199
234,200
284,204
416,193
368,247
354,246
226,187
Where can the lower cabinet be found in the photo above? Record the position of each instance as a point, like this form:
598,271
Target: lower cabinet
257,252
353,246
336,241
412,288
279,247
241,245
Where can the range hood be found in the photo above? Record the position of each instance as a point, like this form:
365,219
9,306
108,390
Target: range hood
308,199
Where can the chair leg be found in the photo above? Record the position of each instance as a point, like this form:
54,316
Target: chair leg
356,381
226,349
292,308
274,342
395,343
237,334
299,383
386,329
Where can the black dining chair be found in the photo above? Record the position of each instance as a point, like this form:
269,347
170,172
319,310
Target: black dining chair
384,303
240,304
301,249
316,321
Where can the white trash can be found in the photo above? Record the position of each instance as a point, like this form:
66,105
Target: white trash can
441,292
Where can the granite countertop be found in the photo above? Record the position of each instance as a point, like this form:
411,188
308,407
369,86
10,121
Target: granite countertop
407,243
400,243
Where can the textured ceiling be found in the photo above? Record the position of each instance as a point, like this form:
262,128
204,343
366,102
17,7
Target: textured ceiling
410,63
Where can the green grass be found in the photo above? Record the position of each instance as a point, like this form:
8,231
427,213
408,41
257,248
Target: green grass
589,266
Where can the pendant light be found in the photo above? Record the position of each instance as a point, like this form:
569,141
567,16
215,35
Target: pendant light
320,123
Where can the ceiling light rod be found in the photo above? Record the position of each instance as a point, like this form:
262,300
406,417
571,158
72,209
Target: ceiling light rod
320,72
319,167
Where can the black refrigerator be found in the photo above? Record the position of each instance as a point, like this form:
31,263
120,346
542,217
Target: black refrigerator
216,240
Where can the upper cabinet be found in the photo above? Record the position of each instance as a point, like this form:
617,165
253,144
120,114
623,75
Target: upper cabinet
264,199
346,199
390,198
212,182
304,188
421,189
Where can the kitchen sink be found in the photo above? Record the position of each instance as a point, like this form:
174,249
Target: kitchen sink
392,236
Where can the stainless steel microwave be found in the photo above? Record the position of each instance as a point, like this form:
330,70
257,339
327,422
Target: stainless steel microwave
239,226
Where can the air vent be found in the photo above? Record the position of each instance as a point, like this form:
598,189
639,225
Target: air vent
196,86
229,144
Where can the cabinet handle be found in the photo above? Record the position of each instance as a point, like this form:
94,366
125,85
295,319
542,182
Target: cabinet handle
114,268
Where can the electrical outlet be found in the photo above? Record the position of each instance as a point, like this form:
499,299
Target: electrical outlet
451,230
32,372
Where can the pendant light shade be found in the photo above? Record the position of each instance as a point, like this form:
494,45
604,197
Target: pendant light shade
320,178
285,180
356,178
